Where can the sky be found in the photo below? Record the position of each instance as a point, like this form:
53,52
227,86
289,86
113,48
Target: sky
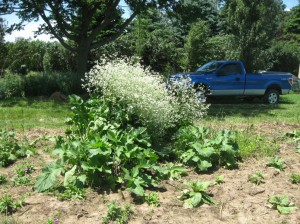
27,32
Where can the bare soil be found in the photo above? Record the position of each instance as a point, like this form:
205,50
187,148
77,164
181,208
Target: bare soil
238,200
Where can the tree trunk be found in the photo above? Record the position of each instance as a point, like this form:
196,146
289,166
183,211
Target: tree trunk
81,65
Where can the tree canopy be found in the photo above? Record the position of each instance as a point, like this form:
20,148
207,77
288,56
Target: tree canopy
79,26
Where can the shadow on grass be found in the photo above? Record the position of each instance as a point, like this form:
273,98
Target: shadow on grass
233,106
39,102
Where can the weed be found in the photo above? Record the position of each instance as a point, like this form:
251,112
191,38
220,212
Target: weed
3,179
219,179
257,178
152,199
277,163
295,178
8,205
255,145
72,192
54,219
197,195
117,214
22,176
282,204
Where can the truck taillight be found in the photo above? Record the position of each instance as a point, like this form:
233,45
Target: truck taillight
291,81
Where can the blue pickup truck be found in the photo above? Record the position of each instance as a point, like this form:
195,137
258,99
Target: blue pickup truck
229,78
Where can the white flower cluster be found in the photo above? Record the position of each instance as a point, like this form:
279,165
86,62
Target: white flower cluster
144,93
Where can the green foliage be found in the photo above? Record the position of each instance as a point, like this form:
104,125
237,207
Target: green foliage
54,219
201,149
10,149
72,192
295,178
257,178
277,163
8,205
11,85
197,195
196,46
253,25
285,56
282,204
26,55
3,179
219,179
175,171
102,149
152,199
117,214
23,172
252,145
48,177
292,27
144,96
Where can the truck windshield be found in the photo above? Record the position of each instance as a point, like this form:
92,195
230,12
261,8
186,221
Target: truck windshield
209,67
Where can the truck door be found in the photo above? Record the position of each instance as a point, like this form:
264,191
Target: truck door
229,80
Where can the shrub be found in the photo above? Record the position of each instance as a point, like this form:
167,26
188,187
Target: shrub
11,85
44,84
144,95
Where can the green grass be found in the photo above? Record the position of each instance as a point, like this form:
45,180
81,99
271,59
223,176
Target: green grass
23,113
236,111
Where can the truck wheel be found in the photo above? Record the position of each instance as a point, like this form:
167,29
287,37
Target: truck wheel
272,96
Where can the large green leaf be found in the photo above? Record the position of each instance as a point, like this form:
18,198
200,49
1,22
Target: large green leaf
285,210
48,177
70,177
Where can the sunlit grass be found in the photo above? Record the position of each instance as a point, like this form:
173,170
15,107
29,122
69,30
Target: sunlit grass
22,113
235,112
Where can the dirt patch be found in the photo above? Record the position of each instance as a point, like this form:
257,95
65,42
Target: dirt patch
238,200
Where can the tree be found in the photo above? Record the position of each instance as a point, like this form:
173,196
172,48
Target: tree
292,25
79,25
187,12
253,24
3,48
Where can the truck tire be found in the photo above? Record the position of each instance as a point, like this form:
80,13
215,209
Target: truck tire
271,96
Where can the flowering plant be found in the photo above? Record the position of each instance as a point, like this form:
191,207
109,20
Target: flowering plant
144,95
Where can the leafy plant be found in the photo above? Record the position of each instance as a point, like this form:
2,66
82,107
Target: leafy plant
152,199
277,163
10,150
143,94
72,192
8,205
23,172
102,149
117,214
174,171
197,195
201,149
257,178
282,204
219,179
3,179
295,178
54,219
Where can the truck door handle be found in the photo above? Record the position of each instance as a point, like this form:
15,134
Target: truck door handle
237,79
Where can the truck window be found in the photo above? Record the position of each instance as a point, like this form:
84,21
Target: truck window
230,69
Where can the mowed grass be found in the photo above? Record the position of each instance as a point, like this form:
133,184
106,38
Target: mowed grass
26,113
234,111
23,113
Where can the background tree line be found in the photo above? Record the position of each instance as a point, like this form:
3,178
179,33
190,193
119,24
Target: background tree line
169,36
